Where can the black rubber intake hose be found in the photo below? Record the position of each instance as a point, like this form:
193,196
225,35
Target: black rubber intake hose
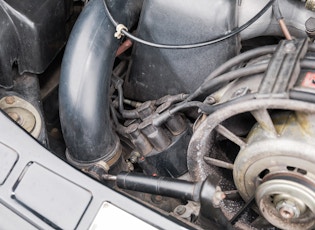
85,81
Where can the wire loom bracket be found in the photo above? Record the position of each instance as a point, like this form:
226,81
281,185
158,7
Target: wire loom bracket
283,69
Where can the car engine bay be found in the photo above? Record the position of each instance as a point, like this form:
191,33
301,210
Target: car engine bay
199,110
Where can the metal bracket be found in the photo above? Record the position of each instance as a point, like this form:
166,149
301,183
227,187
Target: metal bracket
283,69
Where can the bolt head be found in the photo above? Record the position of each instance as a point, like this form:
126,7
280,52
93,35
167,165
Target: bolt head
9,100
287,209
290,47
180,210
157,199
210,100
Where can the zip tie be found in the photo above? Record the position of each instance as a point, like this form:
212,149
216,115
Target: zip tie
119,29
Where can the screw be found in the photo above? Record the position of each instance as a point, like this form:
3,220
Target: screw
210,100
9,100
289,47
180,210
134,157
157,199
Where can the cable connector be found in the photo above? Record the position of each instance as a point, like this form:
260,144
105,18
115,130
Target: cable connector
119,29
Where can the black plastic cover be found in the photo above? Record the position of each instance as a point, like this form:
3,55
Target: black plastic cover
158,72
32,32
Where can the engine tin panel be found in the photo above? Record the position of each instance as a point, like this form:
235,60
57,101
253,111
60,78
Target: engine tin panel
51,196
8,158
157,72
12,220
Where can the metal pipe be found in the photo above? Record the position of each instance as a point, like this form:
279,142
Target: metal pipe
285,30
293,12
